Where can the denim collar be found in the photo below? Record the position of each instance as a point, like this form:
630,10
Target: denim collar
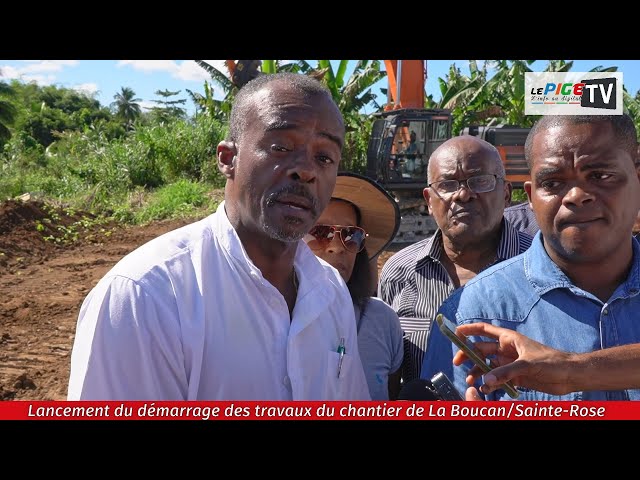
544,275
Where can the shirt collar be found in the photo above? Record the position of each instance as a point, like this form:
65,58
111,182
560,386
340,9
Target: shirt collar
508,247
432,249
545,275
309,270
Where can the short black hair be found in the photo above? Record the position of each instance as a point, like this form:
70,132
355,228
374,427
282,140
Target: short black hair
242,102
623,128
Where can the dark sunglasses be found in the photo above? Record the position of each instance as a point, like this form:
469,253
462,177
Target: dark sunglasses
351,237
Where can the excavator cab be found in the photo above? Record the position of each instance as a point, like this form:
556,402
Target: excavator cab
398,154
509,140
402,142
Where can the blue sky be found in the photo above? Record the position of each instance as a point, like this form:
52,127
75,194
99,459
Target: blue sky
104,78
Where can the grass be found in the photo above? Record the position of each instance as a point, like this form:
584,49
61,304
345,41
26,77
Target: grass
183,199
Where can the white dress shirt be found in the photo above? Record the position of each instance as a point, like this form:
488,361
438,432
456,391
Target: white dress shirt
188,316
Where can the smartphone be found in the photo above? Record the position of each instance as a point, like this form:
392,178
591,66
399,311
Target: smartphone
444,389
449,329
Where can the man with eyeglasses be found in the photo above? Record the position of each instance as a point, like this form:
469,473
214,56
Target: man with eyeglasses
577,288
466,194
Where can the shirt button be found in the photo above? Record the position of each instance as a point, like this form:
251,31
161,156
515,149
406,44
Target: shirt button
605,311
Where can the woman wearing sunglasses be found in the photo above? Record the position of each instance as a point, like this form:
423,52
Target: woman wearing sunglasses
357,225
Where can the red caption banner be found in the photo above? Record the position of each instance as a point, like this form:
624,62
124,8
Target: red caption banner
334,410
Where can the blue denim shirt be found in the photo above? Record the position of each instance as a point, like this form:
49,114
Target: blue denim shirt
530,294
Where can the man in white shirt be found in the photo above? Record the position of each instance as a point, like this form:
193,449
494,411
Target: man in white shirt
235,306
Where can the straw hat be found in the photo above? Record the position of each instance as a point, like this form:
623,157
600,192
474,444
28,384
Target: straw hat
380,214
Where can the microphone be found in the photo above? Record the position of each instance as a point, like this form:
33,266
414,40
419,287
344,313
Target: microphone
418,389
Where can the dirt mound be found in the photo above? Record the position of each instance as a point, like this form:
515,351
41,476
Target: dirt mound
40,300
40,295
31,231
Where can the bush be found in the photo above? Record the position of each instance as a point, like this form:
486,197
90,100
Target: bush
181,199
97,172
518,195
184,148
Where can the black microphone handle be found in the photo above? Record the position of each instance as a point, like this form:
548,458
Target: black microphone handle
418,389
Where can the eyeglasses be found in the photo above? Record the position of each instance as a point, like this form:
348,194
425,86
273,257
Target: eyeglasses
351,237
477,184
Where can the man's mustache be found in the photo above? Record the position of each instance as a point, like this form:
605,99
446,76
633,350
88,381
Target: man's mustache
296,190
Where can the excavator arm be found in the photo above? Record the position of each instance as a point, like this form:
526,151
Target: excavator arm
406,83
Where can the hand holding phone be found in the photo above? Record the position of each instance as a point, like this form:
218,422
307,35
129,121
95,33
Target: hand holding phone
448,328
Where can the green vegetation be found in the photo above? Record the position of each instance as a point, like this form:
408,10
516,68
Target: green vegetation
181,199
67,148
518,196
133,166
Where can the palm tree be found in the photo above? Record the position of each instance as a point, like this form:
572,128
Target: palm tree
458,92
125,106
350,94
219,109
219,78
8,113
456,88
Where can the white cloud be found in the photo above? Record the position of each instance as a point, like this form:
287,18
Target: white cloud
191,71
150,65
48,66
88,88
9,72
147,105
187,70
39,71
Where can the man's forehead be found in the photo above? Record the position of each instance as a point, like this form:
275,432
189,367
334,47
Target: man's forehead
288,108
568,132
578,140
280,103
465,157
280,94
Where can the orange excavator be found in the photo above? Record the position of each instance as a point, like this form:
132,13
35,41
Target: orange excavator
242,71
405,135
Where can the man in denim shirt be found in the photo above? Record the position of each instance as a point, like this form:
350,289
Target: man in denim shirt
577,287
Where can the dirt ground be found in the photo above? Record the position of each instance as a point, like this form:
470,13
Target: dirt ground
43,283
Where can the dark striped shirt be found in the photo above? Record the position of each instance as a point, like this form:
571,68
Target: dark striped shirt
522,217
415,283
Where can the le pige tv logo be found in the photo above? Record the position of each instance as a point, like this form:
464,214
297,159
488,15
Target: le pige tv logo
601,93
573,93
